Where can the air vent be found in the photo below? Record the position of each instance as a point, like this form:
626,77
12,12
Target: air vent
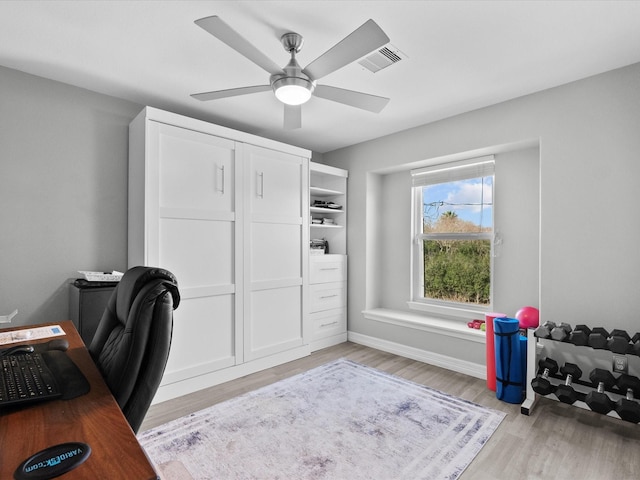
382,58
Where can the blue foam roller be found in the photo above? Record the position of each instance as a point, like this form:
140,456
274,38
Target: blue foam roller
509,370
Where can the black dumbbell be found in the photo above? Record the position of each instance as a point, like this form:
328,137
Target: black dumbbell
627,407
618,341
560,332
598,338
635,344
541,384
597,400
580,335
565,392
544,330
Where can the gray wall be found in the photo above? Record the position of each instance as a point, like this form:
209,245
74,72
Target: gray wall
63,182
63,191
516,221
589,141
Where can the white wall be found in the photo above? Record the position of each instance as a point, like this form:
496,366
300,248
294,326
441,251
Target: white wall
63,191
588,135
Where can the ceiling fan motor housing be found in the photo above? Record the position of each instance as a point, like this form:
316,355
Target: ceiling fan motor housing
293,78
292,41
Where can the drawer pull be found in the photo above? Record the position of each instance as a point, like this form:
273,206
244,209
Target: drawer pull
328,324
330,296
332,268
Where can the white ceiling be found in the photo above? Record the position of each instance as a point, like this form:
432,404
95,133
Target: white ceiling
461,55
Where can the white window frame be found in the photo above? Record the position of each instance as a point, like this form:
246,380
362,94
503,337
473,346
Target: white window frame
443,173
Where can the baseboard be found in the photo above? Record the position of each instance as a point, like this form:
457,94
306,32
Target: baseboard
450,363
191,385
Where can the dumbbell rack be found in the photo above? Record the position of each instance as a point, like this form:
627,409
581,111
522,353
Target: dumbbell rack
585,357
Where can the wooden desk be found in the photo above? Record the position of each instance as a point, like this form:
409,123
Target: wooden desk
94,419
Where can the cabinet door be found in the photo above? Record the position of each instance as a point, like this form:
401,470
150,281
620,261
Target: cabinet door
274,184
196,232
276,235
196,171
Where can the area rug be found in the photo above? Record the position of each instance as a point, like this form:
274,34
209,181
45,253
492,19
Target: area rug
342,421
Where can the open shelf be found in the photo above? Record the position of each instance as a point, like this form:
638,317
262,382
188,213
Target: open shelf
323,192
326,210
327,185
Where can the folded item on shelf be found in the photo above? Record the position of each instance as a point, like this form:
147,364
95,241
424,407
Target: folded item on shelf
325,204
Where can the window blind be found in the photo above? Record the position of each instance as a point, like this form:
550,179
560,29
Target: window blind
452,171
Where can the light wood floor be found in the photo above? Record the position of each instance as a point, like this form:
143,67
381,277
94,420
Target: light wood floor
556,441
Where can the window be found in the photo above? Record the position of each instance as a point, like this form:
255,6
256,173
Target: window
453,233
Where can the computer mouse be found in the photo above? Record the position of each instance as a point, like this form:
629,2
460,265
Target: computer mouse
58,344
16,350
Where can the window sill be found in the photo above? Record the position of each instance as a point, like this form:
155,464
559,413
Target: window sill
453,313
433,324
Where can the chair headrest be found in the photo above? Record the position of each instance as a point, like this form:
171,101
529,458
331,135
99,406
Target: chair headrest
135,279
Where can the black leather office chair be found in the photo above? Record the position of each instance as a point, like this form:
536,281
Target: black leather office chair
132,341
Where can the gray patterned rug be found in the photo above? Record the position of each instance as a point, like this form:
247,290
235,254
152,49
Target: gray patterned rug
340,421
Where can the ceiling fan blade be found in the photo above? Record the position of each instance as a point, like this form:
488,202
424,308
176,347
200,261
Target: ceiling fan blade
232,92
372,103
361,41
233,39
292,116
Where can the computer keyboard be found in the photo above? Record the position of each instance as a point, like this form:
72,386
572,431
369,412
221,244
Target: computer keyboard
26,377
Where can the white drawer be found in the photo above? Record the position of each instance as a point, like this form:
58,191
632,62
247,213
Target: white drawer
328,323
325,296
327,268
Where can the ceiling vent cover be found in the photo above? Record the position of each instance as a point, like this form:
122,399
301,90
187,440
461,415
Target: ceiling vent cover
382,58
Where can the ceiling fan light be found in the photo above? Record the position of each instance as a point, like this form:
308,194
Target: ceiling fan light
292,90
293,94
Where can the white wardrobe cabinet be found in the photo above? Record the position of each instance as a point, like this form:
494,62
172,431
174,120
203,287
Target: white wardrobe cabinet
223,211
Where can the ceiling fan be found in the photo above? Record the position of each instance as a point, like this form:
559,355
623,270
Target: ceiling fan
294,85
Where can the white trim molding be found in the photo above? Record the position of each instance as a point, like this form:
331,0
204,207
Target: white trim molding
443,361
441,326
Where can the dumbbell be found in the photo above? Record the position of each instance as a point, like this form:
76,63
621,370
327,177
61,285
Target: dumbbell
544,330
560,332
541,384
635,344
565,392
597,400
627,407
580,335
618,341
598,338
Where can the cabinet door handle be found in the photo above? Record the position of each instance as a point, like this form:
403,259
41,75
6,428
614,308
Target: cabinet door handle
329,296
260,185
329,268
328,324
222,178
